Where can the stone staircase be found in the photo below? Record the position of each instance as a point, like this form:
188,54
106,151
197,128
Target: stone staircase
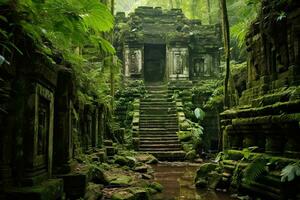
158,125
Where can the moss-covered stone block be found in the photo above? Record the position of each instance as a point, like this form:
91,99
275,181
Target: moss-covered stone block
201,179
121,180
93,192
191,155
156,186
185,125
185,136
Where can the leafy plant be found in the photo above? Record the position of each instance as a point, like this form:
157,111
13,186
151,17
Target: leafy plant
256,168
199,113
290,172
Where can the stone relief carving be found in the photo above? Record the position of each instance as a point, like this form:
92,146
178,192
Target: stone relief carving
133,61
198,67
177,62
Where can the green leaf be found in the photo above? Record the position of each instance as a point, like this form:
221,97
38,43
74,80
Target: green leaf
290,172
199,113
106,46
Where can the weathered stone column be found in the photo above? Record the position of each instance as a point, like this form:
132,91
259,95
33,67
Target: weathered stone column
95,126
63,147
87,132
6,74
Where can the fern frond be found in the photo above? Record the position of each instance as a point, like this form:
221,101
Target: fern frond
290,172
255,169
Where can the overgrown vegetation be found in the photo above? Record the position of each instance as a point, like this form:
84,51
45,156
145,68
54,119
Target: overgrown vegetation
70,32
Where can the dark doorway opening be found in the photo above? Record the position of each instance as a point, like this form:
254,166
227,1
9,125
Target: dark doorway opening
154,62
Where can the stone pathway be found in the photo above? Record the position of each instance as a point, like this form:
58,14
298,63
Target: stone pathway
159,124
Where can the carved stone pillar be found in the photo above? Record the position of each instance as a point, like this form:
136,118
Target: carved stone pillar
95,127
133,61
6,74
63,147
38,137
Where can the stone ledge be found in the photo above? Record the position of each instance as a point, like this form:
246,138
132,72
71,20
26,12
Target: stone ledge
50,189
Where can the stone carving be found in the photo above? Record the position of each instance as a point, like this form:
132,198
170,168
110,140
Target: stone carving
177,63
198,67
133,62
136,61
43,127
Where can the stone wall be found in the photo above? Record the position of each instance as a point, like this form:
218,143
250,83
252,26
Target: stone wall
268,112
40,119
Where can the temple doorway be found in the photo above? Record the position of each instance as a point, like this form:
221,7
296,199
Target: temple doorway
154,62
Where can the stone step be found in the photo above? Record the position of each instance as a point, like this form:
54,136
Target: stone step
157,100
159,125
162,91
155,130
157,107
167,126
168,155
154,121
160,146
152,116
159,149
157,121
155,104
156,87
157,135
157,141
157,95
157,112
158,138
157,118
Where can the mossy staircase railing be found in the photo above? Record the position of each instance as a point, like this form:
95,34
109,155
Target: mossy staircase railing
158,124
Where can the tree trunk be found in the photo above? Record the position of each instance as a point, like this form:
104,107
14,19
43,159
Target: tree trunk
226,37
208,11
112,81
178,3
194,8
171,4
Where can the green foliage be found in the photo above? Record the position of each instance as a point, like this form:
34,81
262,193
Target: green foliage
193,135
66,24
223,155
255,169
290,172
74,30
199,113
242,13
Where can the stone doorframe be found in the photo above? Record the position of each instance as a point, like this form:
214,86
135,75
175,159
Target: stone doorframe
177,62
45,95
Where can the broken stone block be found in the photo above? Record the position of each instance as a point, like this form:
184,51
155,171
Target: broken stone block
93,192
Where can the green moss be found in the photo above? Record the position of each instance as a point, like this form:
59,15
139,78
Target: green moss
184,125
121,160
187,147
156,186
201,179
120,179
185,136
122,195
191,155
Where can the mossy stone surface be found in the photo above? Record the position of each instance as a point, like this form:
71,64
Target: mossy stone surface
121,180
156,186
201,179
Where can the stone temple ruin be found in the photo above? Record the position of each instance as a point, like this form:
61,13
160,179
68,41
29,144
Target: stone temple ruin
157,45
169,53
